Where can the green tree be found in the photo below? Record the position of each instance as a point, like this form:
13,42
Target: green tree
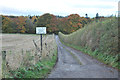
49,21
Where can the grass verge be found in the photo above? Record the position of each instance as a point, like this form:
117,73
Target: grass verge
39,70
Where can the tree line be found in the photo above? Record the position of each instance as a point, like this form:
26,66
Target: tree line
54,24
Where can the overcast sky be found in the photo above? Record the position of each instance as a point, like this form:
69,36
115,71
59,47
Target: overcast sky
59,7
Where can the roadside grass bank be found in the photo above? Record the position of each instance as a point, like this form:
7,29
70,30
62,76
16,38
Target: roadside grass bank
97,39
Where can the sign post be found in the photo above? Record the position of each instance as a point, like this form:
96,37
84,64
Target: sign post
41,42
41,30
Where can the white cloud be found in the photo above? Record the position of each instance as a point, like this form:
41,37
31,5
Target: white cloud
60,7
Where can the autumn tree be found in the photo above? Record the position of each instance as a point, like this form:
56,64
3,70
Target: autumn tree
70,24
34,19
54,24
29,26
44,20
21,24
49,21
7,25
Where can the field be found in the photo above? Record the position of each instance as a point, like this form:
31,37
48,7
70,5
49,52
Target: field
21,50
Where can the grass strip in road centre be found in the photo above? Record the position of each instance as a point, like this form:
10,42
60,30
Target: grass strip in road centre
73,55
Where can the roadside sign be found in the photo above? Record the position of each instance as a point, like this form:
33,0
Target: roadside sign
40,30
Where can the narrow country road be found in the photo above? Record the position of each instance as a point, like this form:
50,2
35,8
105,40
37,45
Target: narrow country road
74,64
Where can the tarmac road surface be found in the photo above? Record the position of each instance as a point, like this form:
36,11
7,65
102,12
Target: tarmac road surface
74,64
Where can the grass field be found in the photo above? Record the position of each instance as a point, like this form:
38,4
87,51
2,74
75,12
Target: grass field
23,53
98,39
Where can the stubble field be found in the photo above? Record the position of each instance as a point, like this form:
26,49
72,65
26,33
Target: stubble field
23,49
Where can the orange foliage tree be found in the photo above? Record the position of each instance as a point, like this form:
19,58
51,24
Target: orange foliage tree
21,24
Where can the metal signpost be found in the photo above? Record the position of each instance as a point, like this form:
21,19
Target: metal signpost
41,30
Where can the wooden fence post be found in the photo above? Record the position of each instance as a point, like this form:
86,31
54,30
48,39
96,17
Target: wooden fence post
3,63
4,55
